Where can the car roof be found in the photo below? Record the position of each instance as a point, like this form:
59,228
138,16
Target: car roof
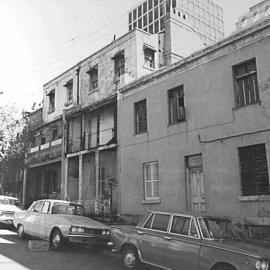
54,200
8,197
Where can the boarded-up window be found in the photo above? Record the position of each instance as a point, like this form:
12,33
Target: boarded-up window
151,180
176,105
254,170
246,83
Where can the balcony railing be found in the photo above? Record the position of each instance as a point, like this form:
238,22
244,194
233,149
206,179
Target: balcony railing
92,140
45,146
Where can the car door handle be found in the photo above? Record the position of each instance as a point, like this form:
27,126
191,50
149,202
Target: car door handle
139,232
167,237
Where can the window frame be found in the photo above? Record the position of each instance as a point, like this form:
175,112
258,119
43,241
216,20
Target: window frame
244,97
119,65
69,90
138,129
180,103
93,76
151,181
51,95
149,57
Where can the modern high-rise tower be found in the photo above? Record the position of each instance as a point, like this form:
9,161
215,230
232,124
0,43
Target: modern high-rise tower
204,16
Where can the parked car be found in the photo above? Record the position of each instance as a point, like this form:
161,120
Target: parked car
187,241
61,221
8,207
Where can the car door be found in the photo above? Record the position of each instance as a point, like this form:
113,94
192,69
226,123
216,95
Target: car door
152,242
45,220
183,243
34,222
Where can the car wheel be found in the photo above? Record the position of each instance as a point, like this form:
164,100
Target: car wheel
130,259
20,231
57,240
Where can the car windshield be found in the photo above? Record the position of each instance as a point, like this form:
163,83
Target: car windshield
217,228
8,201
68,209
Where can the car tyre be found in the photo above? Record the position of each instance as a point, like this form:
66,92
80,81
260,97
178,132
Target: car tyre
20,231
57,240
130,258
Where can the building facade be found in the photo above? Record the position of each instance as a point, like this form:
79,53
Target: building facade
195,135
73,151
205,17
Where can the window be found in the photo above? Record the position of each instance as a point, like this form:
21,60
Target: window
93,73
38,206
45,207
254,170
148,224
151,181
245,83
184,226
119,64
54,134
51,96
43,139
149,57
69,87
161,222
176,105
140,117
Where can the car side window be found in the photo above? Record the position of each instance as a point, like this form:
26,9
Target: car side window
45,207
160,222
148,224
180,225
37,207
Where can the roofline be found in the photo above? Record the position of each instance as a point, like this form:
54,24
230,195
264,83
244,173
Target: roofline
98,51
243,33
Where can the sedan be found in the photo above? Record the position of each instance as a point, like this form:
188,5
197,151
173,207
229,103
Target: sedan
59,221
8,207
188,241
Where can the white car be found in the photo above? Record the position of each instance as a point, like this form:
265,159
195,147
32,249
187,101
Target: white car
8,207
61,221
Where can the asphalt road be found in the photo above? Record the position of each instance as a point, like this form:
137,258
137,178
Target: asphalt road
15,255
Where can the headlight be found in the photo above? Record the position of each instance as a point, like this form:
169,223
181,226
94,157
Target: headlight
262,265
76,229
105,232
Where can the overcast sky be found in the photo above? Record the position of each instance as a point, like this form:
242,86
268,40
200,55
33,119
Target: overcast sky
42,38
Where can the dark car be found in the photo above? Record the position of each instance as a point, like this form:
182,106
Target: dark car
187,241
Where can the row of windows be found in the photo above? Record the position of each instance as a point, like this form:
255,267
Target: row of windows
41,138
245,89
253,168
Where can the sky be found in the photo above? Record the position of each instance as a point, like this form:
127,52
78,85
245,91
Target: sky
41,39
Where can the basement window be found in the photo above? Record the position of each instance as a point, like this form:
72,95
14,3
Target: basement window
254,170
176,105
246,83
149,56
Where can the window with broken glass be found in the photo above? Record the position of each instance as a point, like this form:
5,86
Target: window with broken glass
254,170
246,83
176,105
140,117
119,65
149,57
93,73
151,180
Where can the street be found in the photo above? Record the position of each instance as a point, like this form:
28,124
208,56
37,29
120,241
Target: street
15,255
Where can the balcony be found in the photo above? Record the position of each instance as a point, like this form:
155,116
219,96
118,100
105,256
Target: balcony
47,151
92,140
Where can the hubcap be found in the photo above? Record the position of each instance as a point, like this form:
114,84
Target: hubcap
56,240
130,259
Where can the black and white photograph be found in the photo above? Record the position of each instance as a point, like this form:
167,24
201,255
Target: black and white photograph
135,134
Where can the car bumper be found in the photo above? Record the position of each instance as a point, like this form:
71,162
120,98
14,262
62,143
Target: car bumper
88,240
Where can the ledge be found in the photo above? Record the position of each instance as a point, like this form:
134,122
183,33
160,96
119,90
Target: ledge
68,103
151,201
91,91
254,198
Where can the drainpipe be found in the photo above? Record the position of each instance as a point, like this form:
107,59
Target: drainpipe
78,86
